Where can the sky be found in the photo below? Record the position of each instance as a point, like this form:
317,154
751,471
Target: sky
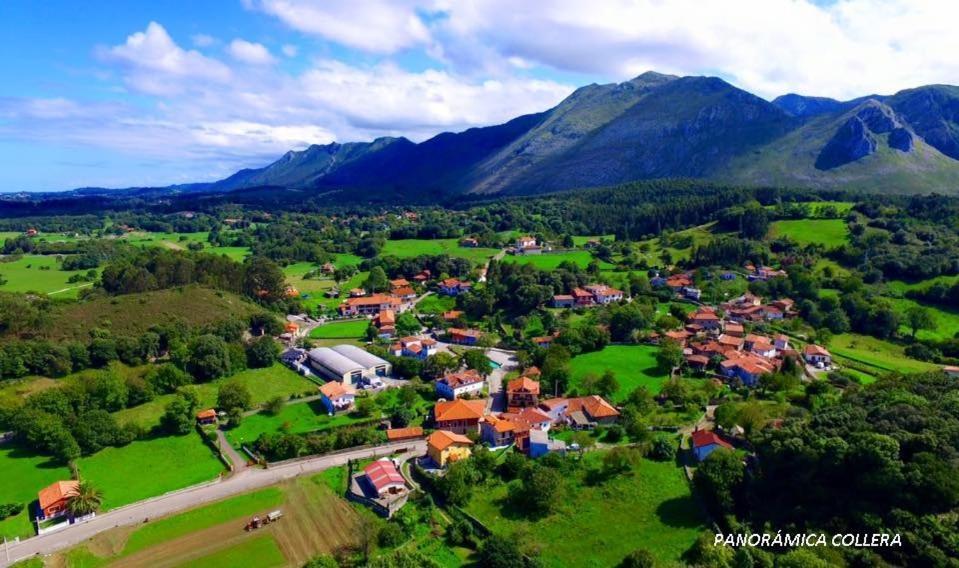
150,93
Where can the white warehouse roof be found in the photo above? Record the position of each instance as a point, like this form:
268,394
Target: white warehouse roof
361,356
335,362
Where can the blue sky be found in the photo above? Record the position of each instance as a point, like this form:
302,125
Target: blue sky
117,94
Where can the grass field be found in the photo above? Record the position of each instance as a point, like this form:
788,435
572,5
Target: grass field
22,475
315,521
296,418
651,249
881,355
436,304
598,525
634,365
341,330
896,287
263,385
133,314
827,232
551,261
416,247
580,240
947,319
39,273
147,468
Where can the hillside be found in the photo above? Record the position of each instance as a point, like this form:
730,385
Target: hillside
133,314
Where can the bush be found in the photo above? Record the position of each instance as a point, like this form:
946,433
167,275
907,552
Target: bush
663,449
10,509
391,535
274,406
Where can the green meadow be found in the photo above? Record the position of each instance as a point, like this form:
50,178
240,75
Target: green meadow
415,247
40,273
830,233
296,418
551,261
633,365
22,475
883,356
354,329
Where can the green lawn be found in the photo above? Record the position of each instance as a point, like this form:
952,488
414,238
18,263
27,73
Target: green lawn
22,475
40,273
827,232
634,365
147,468
341,330
297,418
263,385
947,319
884,356
897,287
256,552
436,304
551,261
580,240
201,518
598,525
415,247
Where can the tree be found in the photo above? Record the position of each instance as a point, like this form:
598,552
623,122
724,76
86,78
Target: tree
275,405
377,280
457,485
663,450
439,365
639,558
919,317
407,324
367,407
619,460
234,395
262,352
719,478
670,355
263,279
607,385
85,500
179,416
477,360
209,358
500,552
167,378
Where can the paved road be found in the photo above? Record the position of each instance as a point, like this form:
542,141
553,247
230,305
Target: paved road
507,362
242,482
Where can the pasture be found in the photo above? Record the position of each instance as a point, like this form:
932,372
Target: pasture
633,365
23,474
296,418
41,274
829,233
405,248
883,356
946,319
649,507
436,304
552,260
353,329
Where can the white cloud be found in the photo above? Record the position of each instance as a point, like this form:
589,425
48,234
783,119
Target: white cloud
250,52
157,65
378,26
202,40
289,50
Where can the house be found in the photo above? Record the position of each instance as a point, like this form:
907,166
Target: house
583,298
706,442
336,397
415,347
522,392
586,412
603,294
206,417
31,232
555,408
385,323
497,432
371,305
459,384
540,444
459,416
348,364
784,305
381,486
734,329
454,287
463,336
404,434
54,498
525,242
422,276
398,283
697,362
781,342
692,293
328,268
452,315
706,318
747,367
469,242
951,371
677,282
531,418
444,447
357,293
563,301
816,355
405,293
543,342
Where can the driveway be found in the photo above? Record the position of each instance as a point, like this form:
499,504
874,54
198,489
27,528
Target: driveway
507,362
241,482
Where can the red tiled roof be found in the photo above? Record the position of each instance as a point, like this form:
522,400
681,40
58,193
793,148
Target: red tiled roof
812,349
442,439
382,474
206,414
394,434
523,383
703,438
459,409
57,491
462,378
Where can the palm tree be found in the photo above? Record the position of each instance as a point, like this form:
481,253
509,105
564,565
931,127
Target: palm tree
85,500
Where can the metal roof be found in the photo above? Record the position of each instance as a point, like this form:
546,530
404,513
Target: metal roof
360,356
335,362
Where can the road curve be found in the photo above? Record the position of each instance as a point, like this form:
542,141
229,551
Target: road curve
241,482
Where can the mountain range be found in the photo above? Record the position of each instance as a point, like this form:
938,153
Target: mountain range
653,126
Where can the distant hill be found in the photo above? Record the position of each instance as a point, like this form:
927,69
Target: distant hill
651,127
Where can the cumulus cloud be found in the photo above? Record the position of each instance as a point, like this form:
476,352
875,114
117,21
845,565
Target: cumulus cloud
378,26
250,52
156,64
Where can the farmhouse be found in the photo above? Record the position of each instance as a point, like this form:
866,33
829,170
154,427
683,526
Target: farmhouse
706,442
748,367
385,323
414,347
463,336
205,417
817,355
454,287
380,486
452,315
403,434
336,397
706,318
603,294
469,242
587,411
347,363
459,416
525,241
497,432
522,392
371,305
53,499
444,447
459,384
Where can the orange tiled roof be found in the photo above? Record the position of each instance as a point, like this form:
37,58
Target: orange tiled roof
523,383
594,405
404,433
57,492
459,409
442,439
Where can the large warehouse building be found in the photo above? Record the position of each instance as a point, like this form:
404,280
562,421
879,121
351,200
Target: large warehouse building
348,364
